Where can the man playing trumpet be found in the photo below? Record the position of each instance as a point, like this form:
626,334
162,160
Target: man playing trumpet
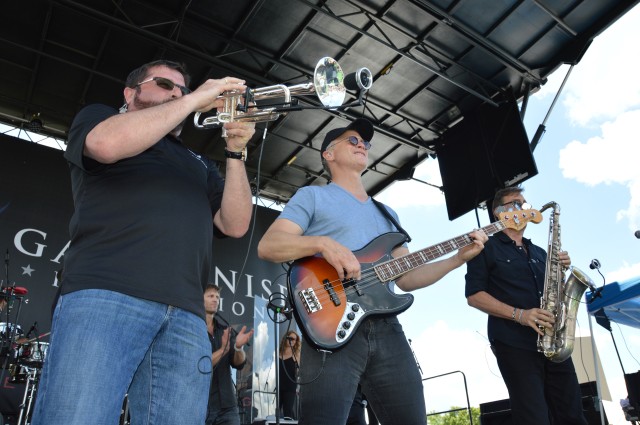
130,318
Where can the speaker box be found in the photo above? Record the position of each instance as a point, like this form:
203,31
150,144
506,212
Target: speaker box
499,412
590,405
488,150
632,380
496,413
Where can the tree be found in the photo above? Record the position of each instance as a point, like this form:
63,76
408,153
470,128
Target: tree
459,417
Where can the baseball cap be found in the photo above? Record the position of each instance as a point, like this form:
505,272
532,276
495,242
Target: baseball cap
361,125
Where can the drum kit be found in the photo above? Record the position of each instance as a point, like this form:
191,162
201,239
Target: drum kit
21,361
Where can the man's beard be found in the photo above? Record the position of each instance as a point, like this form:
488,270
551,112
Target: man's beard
141,104
211,311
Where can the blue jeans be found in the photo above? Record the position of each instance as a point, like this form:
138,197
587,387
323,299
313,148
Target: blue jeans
378,357
105,344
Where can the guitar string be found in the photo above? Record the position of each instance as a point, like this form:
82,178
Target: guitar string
370,278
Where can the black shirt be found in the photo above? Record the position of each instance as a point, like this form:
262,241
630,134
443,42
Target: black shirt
222,393
142,226
513,275
288,369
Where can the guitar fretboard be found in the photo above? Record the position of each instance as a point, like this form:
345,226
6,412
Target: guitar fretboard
398,266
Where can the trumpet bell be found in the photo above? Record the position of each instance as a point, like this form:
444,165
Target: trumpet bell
327,84
328,81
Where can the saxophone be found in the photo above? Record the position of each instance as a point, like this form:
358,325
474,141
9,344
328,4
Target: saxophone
560,298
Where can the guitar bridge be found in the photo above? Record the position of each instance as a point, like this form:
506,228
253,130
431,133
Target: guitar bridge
310,300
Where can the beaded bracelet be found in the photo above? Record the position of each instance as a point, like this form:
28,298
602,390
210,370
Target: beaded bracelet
513,315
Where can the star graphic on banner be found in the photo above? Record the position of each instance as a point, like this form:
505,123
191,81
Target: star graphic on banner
27,270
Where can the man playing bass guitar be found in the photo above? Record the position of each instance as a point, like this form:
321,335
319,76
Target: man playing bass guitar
330,222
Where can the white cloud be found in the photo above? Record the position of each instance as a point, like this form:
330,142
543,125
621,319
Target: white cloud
628,271
410,193
611,158
605,82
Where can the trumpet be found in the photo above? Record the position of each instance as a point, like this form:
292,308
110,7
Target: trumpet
329,84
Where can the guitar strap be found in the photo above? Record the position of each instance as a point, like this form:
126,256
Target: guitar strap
387,214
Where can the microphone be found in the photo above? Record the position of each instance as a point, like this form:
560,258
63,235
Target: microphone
637,234
596,294
362,79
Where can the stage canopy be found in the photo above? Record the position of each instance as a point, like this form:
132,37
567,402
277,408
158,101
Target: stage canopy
434,63
618,302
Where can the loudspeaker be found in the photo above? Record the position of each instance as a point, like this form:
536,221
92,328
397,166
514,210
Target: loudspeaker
632,380
590,405
486,151
499,412
496,413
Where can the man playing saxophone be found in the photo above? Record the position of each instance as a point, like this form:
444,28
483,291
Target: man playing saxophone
506,281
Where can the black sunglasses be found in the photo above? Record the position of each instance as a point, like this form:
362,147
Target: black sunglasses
165,83
517,205
354,141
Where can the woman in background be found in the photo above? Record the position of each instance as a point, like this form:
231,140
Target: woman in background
289,364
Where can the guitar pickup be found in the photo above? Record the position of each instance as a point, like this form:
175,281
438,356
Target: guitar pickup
332,292
309,300
353,284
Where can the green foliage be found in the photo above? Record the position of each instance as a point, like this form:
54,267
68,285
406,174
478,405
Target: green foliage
459,417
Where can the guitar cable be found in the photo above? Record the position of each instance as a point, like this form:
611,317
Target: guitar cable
285,309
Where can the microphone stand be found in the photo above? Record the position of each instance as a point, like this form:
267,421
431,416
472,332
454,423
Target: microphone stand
277,310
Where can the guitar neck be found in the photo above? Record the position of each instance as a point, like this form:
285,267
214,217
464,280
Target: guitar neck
395,268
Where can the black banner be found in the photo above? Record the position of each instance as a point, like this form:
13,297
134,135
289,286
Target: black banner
35,208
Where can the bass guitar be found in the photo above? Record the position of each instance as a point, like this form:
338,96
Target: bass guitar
329,310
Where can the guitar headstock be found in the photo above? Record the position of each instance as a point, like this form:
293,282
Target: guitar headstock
518,219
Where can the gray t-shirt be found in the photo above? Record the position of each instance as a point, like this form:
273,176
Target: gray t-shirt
332,211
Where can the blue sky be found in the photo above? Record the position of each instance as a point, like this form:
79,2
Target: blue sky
588,163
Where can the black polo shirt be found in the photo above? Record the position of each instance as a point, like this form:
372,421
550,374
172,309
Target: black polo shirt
514,276
142,226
